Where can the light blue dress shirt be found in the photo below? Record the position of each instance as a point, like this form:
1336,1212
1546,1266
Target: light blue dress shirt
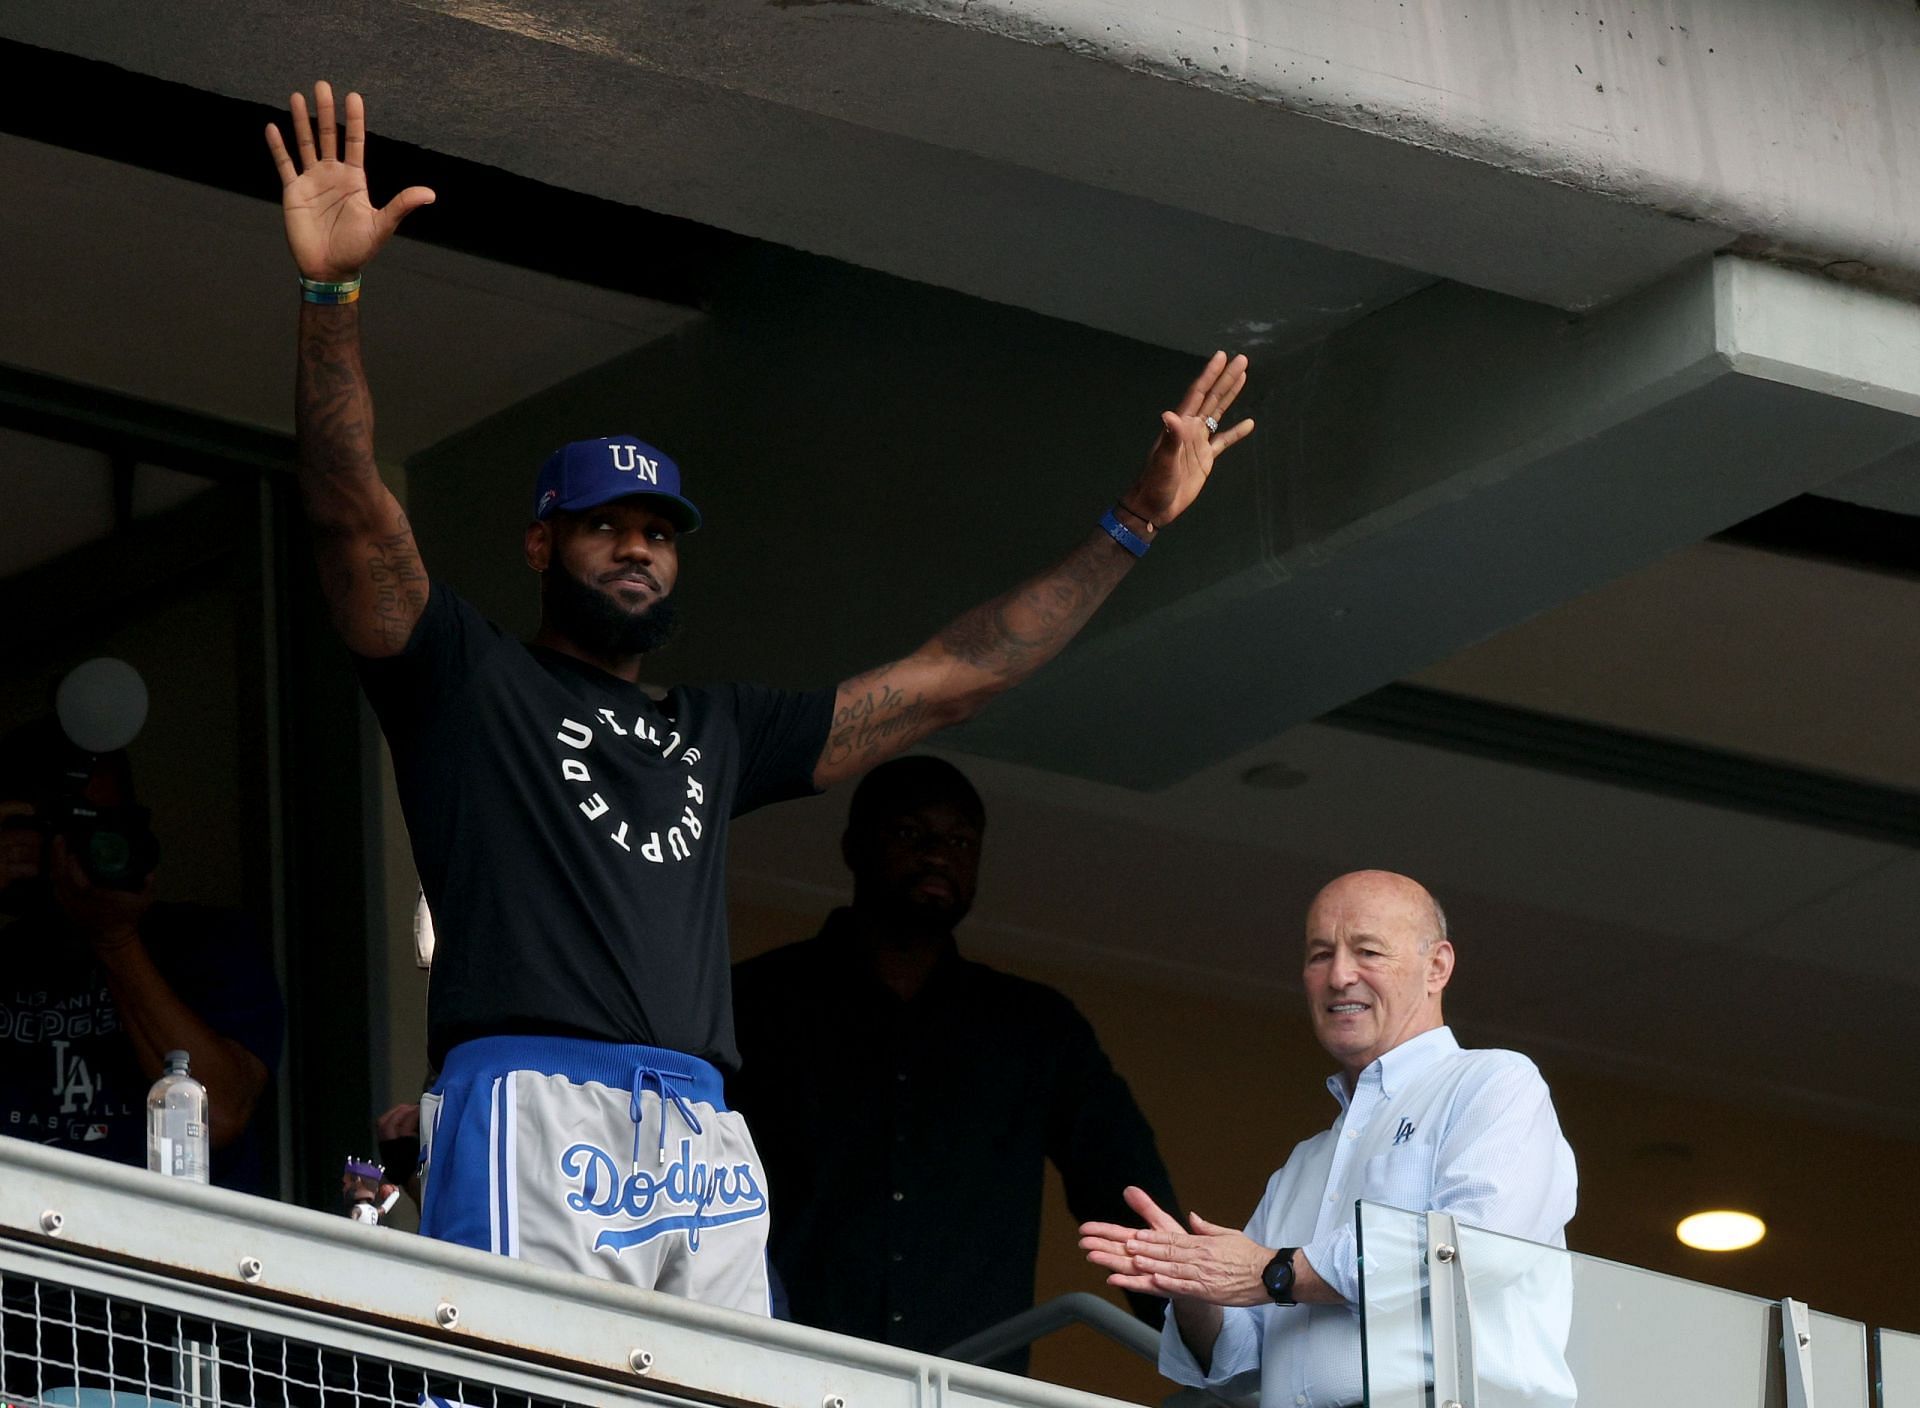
1428,1127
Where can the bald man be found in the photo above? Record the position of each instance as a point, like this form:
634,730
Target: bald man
1423,1125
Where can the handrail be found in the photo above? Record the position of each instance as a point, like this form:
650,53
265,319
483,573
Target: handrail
1078,1308
90,1222
1075,1308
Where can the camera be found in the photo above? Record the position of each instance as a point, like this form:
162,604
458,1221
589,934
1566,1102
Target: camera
100,706
115,846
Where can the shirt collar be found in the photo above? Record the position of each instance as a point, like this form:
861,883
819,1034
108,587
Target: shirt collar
1394,1069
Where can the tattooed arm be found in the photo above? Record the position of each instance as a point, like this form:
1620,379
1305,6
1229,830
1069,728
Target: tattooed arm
369,566
993,647
370,569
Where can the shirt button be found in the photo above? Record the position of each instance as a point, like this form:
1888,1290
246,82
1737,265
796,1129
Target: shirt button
1299,1398
900,1076
900,1197
896,1317
899,1257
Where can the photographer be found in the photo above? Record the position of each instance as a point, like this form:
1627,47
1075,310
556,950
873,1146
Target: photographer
101,980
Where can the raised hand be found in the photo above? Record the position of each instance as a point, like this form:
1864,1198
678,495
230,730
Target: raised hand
1184,455
333,228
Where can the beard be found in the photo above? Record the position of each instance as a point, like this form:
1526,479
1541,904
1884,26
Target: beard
925,913
598,624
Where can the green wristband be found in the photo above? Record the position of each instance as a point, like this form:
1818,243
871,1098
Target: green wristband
323,291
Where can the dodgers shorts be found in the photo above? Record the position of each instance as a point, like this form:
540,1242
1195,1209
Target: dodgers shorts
615,1161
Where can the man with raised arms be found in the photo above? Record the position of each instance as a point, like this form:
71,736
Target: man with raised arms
569,825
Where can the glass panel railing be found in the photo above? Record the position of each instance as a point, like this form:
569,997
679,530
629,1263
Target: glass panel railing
1899,1355
1519,1325
1839,1361
1551,1324
1393,1306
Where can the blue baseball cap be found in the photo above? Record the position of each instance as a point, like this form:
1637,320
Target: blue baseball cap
589,473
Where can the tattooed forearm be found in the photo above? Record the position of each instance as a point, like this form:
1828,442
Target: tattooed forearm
1014,635
333,414
875,722
989,649
370,569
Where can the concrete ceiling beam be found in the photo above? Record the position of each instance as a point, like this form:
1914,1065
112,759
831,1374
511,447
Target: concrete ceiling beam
1454,465
1183,174
1892,484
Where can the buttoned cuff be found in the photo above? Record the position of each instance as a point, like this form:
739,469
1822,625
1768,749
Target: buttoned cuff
1235,1352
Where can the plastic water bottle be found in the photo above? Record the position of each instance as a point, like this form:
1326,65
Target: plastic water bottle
177,1143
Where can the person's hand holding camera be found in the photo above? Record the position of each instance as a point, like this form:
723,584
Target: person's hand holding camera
20,845
106,918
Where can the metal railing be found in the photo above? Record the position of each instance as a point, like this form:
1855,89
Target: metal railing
120,1282
118,1287
1078,1308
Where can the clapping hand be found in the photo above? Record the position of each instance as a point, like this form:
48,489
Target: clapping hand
1219,1265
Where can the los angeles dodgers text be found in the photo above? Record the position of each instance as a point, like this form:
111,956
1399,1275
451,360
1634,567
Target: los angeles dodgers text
718,1194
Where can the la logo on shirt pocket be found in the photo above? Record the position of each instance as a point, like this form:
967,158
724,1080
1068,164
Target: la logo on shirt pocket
1402,1177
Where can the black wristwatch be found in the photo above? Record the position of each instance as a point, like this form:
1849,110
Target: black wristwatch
1278,1277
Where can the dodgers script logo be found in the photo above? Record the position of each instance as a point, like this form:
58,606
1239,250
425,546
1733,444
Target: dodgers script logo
714,1194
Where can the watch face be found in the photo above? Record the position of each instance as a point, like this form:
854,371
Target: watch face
1278,1277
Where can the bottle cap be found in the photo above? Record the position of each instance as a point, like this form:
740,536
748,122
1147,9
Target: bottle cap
177,1062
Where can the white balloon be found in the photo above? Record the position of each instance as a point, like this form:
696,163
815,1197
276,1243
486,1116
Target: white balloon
102,704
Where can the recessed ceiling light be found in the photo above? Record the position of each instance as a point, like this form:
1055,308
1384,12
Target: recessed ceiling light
1277,776
1720,1231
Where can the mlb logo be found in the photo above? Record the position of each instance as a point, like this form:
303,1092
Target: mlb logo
94,1131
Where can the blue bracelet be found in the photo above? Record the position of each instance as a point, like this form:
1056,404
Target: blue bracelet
1124,535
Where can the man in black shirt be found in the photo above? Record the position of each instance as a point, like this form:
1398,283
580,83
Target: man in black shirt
917,1222
569,825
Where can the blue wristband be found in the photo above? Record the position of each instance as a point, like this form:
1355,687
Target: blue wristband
1124,535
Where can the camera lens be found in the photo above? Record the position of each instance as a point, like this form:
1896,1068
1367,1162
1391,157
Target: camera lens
109,856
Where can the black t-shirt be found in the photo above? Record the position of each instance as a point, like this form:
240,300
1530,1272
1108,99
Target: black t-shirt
571,831
68,1074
